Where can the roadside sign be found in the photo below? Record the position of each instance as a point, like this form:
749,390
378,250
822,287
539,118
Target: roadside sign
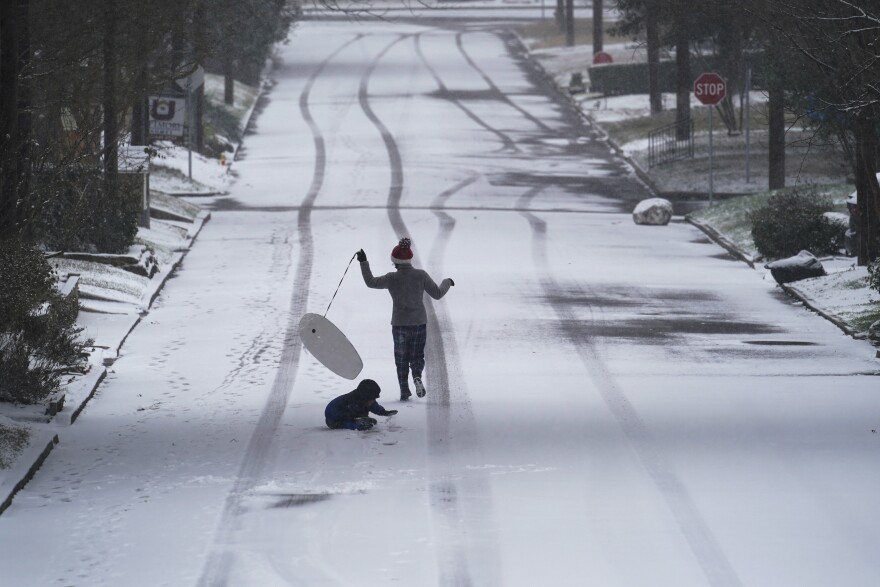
167,115
710,88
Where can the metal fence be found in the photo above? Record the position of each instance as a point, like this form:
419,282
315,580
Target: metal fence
665,147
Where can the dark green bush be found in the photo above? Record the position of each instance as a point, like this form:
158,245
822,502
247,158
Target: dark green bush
874,275
221,121
39,338
76,214
794,221
615,79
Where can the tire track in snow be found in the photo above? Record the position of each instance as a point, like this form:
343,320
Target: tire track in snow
509,144
699,537
454,566
221,557
494,87
395,190
480,539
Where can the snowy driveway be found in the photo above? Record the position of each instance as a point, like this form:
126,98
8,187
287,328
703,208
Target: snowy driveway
607,404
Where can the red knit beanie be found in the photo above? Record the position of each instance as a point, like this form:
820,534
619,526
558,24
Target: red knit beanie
402,254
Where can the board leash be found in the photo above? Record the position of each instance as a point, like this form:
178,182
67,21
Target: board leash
340,284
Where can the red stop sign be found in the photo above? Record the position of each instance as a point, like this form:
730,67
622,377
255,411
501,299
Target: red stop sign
601,58
710,88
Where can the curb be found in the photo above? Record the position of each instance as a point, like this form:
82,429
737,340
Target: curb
88,385
29,473
833,318
722,240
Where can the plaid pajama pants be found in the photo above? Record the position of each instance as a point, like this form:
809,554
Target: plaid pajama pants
409,352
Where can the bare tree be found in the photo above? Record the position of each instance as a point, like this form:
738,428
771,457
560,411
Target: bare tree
838,40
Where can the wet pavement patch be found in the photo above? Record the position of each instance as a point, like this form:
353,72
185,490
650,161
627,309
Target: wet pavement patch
462,95
701,240
624,296
724,257
289,500
652,315
232,205
651,329
780,342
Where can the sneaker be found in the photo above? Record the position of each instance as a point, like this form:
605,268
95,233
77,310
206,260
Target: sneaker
405,395
420,388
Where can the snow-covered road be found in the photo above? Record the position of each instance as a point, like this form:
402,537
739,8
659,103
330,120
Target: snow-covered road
608,404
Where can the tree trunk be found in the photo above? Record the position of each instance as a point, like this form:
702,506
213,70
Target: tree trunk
8,117
15,115
111,130
140,131
867,149
560,15
139,122
569,23
23,122
598,28
683,84
776,112
653,38
776,108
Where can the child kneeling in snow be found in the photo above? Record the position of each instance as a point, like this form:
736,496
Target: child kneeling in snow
352,410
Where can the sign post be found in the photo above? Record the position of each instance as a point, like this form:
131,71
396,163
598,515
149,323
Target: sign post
710,88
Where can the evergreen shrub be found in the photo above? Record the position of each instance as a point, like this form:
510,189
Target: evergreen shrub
874,275
39,339
794,221
76,214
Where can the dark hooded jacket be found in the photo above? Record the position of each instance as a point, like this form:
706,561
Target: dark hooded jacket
343,411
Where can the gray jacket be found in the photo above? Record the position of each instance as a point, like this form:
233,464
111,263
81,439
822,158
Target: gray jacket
406,286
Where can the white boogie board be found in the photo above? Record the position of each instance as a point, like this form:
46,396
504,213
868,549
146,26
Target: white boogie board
327,344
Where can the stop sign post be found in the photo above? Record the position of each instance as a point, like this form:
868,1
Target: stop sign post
710,88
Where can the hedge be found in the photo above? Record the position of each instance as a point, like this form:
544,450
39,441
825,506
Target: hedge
615,79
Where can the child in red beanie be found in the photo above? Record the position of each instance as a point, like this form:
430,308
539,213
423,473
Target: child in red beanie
408,316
